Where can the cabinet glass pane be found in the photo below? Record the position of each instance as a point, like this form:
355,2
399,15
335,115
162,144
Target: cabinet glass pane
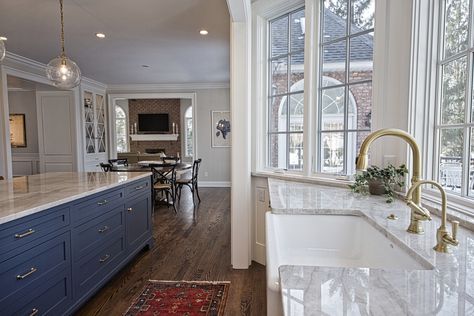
89,118
100,110
450,158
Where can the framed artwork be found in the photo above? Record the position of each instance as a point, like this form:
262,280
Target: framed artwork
221,135
17,130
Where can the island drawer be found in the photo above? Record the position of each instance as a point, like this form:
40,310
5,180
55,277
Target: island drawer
92,269
18,272
138,187
92,234
31,228
95,206
45,297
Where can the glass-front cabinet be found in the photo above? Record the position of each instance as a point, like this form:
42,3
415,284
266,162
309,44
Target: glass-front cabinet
95,140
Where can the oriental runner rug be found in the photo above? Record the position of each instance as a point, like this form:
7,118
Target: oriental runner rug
189,298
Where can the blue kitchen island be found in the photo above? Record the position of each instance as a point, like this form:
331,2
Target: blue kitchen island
64,235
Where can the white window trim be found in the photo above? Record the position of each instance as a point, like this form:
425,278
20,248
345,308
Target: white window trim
424,92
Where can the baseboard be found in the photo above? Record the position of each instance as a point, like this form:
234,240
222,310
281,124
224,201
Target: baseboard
214,184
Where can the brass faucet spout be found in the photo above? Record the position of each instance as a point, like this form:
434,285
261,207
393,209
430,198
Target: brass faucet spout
362,162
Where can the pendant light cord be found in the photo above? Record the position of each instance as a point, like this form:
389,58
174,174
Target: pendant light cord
63,52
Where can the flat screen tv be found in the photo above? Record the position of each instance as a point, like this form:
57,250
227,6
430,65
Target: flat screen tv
153,123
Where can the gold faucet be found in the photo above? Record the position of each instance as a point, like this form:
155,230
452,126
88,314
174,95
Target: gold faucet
418,213
443,237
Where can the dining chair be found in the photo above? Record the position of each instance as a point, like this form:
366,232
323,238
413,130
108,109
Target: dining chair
119,161
164,181
106,167
170,159
191,183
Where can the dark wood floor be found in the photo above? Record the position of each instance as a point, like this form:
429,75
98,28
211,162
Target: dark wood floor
187,247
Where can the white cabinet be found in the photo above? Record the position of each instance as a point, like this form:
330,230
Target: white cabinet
94,125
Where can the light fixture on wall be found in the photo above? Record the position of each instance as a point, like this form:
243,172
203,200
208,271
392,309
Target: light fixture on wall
3,50
63,72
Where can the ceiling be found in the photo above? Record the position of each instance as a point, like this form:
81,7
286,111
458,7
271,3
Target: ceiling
163,34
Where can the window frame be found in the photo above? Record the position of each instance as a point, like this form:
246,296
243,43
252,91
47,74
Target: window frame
463,197
269,96
186,119
347,84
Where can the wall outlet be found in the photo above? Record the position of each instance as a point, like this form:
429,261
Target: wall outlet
206,174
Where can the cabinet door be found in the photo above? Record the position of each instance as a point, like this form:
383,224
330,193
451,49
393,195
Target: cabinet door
101,145
89,123
138,221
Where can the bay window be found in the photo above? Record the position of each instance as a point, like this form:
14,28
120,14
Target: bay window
343,106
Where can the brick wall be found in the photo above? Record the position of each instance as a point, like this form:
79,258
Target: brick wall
170,106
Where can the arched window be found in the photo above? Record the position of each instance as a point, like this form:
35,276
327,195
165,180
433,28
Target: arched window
188,132
121,129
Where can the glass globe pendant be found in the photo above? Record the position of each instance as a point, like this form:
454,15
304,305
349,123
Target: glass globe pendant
3,50
63,72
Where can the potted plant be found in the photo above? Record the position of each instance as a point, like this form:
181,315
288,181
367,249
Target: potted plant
378,181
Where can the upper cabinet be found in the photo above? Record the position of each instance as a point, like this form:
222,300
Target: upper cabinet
94,124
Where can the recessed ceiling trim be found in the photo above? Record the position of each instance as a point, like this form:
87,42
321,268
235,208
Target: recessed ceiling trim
167,86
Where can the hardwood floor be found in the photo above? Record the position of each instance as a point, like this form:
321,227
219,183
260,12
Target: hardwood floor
187,247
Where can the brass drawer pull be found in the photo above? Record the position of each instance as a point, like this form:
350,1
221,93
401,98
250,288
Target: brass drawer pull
103,229
102,203
139,187
129,209
27,233
102,260
27,274
34,311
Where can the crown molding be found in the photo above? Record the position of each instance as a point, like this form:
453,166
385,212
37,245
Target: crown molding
27,65
113,88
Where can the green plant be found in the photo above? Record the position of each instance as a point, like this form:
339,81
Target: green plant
390,177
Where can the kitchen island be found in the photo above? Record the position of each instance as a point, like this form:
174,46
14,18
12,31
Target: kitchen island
64,235
444,287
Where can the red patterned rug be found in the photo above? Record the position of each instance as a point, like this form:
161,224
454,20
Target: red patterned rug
187,298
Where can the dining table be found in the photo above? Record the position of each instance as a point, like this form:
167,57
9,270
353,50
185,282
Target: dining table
142,166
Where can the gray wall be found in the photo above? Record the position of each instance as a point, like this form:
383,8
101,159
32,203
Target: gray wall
24,102
215,161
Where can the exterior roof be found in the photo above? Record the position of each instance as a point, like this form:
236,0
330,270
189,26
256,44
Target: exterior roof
334,27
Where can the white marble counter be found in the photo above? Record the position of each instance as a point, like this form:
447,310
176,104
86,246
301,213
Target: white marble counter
27,195
448,289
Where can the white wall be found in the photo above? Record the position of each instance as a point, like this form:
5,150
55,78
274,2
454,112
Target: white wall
24,102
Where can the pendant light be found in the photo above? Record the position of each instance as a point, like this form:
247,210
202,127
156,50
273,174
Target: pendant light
3,50
63,72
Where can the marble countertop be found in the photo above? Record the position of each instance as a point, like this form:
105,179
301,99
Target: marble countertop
448,289
27,195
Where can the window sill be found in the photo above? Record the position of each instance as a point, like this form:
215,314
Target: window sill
334,182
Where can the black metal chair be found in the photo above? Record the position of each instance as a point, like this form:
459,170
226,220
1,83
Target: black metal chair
106,167
164,180
120,161
191,183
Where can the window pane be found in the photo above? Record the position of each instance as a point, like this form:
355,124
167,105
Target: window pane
296,152
279,36
279,76
361,53
278,114
332,153
335,19
453,91
277,150
297,30
360,106
332,116
450,160
296,112
297,72
362,16
354,140
471,165
456,26
334,63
